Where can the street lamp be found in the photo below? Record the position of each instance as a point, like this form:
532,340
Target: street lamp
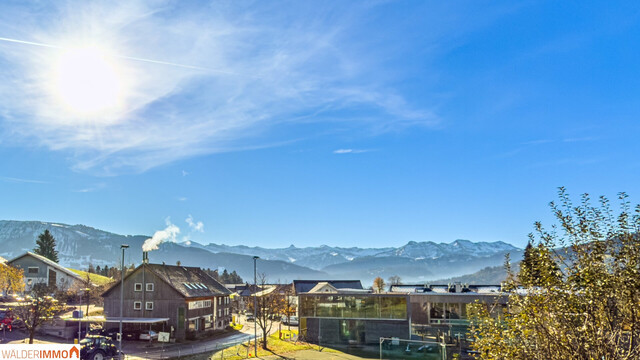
123,247
80,314
255,306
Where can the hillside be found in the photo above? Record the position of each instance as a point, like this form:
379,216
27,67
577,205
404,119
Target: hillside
80,245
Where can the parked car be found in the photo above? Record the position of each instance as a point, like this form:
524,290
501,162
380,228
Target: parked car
111,333
250,317
290,320
148,335
97,347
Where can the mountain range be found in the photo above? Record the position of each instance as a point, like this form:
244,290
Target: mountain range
80,245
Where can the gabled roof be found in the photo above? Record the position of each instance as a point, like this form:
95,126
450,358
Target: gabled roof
45,260
190,282
323,286
303,286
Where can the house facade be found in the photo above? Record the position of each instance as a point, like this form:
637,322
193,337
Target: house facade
184,301
40,270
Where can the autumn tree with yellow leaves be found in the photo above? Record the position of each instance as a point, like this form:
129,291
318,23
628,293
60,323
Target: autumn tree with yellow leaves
578,296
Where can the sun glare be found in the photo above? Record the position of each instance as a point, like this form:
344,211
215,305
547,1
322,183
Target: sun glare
86,82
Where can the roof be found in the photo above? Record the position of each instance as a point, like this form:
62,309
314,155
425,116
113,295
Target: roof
446,289
303,286
323,285
49,262
189,281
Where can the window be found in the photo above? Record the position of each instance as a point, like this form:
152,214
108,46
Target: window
137,305
148,305
137,287
219,312
208,321
33,270
149,286
219,301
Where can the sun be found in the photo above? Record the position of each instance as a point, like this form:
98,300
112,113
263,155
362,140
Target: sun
87,82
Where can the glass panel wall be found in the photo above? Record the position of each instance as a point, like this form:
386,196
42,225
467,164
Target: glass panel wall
354,306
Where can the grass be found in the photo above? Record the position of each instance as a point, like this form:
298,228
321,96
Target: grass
276,347
95,278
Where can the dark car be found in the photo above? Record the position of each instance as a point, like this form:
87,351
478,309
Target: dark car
111,333
97,347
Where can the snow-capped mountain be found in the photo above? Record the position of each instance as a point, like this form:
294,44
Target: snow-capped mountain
431,250
80,245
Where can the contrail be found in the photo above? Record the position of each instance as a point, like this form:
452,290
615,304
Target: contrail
159,62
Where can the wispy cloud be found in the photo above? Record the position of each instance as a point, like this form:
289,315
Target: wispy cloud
19,180
181,198
92,188
350,151
197,80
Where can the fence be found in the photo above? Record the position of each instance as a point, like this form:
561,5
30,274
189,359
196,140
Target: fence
395,348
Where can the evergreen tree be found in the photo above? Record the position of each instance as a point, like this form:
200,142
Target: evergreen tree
46,246
225,277
234,278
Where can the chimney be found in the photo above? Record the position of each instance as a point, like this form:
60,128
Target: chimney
145,257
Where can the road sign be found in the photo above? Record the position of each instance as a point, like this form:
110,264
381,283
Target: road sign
163,337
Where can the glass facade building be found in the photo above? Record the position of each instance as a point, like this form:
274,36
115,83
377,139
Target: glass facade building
354,306
353,318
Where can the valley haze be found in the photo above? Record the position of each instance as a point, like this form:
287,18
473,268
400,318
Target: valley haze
81,245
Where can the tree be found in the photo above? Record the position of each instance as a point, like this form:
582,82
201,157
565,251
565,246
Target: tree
270,303
378,284
11,279
582,302
288,301
395,280
234,278
46,246
37,308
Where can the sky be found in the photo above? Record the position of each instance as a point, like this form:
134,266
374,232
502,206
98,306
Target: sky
369,123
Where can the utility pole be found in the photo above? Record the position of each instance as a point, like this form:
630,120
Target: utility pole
123,247
255,305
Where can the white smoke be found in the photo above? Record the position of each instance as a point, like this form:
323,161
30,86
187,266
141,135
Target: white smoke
160,236
196,226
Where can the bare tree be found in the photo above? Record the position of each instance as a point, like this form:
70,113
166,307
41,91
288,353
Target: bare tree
269,304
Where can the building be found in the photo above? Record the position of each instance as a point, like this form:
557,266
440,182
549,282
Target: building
184,301
304,286
241,295
40,270
342,312
331,314
442,309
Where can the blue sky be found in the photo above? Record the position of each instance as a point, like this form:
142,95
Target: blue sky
308,123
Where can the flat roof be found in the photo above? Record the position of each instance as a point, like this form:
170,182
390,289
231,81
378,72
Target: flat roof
134,320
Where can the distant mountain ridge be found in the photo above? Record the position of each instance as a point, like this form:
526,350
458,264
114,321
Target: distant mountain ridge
79,245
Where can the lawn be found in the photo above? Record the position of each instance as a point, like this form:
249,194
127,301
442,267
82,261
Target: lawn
95,278
276,347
